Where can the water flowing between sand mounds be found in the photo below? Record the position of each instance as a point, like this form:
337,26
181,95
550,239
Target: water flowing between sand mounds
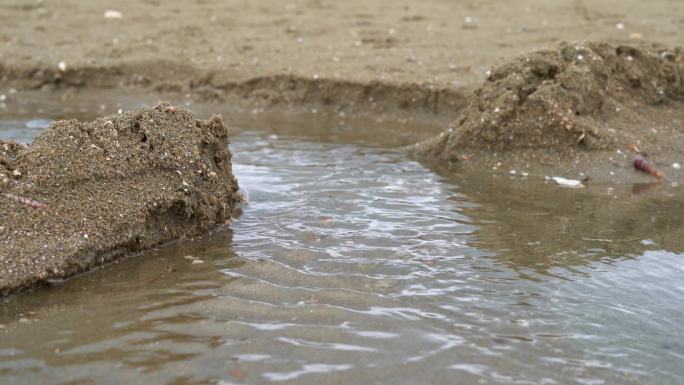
354,264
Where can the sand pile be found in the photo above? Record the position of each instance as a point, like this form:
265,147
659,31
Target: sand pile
84,193
571,98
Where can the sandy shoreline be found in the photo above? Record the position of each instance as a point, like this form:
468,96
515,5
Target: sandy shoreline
395,59
368,56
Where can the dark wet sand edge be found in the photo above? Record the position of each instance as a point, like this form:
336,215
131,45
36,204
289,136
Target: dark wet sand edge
289,90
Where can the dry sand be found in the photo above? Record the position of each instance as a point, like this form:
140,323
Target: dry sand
357,55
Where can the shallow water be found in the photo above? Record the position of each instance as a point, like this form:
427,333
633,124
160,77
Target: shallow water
354,264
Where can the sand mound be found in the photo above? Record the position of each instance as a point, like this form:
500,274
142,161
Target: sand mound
84,193
569,98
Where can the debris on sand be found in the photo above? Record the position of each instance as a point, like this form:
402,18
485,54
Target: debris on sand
567,99
27,201
642,164
113,14
569,183
107,188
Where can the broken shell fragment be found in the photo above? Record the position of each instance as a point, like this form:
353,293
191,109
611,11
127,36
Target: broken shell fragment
113,14
570,183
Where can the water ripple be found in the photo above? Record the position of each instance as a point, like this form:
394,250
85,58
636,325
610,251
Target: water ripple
360,266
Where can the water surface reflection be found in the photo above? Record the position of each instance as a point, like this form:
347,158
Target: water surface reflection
356,265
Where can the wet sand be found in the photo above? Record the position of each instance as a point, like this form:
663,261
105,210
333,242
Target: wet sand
586,106
422,62
83,194
398,60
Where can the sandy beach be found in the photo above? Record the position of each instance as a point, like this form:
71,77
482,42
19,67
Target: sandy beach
606,86
355,55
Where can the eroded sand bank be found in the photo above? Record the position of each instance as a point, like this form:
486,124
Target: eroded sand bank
85,193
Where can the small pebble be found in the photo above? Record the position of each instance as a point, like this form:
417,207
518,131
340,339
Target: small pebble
676,166
113,14
24,320
62,66
469,23
572,183
197,261
522,322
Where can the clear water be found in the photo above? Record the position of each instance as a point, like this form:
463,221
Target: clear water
355,265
